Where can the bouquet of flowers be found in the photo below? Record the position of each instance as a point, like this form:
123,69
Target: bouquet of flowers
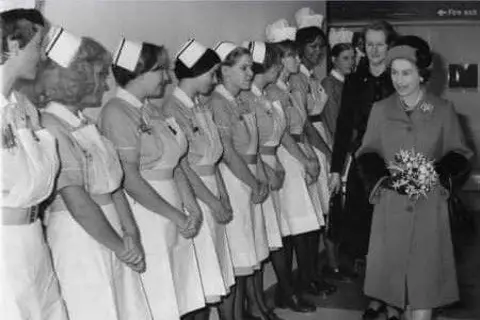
413,174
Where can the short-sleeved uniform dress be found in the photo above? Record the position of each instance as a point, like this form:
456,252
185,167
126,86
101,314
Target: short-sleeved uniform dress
29,287
410,258
204,152
300,203
142,136
94,282
316,97
248,244
271,124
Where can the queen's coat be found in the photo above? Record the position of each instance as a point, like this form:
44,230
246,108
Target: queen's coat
410,258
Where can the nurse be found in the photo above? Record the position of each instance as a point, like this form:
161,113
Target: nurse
93,237
29,287
297,214
308,92
271,125
237,125
195,68
150,147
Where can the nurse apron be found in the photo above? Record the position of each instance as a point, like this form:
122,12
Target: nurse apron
94,283
28,285
172,280
316,100
211,244
240,231
274,124
300,205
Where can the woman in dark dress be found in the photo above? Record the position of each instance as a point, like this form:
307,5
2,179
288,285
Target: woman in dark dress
370,83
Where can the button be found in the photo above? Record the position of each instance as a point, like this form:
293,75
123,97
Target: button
409,208
409,128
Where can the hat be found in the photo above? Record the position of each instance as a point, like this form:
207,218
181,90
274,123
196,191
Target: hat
7,5
127,54
306,17
62,46
223,48
257,50
193,59
401,52
337,36
280,31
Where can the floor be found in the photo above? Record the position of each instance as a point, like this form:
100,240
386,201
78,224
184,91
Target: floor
348,302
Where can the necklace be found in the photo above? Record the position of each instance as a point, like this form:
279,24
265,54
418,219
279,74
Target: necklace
407,107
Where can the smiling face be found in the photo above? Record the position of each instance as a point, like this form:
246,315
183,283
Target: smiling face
240,74
376,46
314,52
156,80
291,63
405,77
344,61
95,85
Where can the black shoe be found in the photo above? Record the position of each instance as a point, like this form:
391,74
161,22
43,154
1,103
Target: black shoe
324,287
335,275
373,314
295,303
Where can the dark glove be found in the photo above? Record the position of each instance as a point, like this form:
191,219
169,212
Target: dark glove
372,168
452,166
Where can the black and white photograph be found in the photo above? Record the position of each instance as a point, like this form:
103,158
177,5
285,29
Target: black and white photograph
239,160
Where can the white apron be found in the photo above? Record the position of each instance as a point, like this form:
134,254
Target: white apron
271,206
28,285
211,244
172,281
300,203
241,230
95,284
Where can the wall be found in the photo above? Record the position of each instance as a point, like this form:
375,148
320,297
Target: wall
171,23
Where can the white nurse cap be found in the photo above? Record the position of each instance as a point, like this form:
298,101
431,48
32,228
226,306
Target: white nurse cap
127,54
306,17
223,48
62,46
280,31
190,53
257,50
7,5
336,36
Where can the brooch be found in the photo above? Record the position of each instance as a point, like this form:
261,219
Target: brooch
144,127
426,107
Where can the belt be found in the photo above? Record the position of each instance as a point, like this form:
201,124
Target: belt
204,170
100,199
271,151
250,158
315,118
19,216
297,137
158,174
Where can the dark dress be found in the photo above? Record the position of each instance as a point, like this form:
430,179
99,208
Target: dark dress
360,91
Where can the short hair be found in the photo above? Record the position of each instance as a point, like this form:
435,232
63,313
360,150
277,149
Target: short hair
231,59
89,53
12,26
385,27
423,53
339,48
286,48
205,63
308,35
149,56
273,57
